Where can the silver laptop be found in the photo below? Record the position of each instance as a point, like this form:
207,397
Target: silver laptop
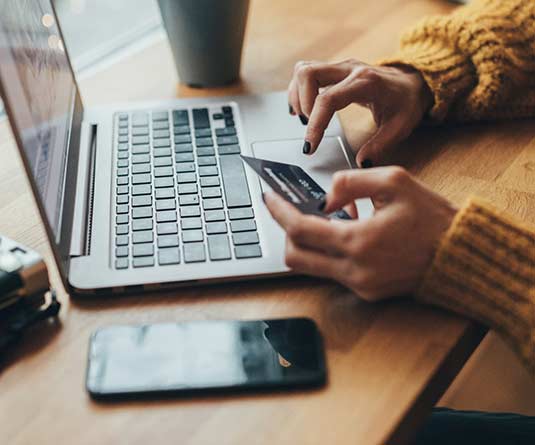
147,195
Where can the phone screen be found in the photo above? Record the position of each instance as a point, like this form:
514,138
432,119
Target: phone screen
205,355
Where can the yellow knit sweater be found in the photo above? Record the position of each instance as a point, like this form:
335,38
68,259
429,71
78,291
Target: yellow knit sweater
479,63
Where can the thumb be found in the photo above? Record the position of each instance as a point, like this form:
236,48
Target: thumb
349,185
373,152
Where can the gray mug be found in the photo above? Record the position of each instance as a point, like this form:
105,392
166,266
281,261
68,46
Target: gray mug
206,38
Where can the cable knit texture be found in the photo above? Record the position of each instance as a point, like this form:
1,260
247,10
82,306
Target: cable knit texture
479,63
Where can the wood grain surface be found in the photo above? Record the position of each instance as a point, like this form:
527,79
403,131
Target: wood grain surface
388,363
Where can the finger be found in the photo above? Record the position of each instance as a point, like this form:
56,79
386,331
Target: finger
307,230
293,97
352,210
311,262
349,185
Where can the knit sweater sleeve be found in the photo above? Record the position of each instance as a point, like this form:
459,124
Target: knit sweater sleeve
479,61
484,268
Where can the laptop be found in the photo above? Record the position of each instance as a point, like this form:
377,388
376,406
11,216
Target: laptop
147,195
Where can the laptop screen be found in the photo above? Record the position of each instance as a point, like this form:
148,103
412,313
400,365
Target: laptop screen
39,93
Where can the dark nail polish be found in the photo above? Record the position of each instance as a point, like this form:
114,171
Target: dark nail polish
264,197
322,205
303,119
306,147
291,109
366,164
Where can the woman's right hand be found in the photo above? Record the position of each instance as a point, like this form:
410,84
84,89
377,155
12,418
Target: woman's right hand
397,97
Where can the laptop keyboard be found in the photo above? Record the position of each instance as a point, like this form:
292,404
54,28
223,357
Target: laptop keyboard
181,190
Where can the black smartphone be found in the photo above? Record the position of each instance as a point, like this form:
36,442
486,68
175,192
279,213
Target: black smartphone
204,356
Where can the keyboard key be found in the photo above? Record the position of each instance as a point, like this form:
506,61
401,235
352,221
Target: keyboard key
180,117
229,122
167,241
140,149
122,229
204,142
142,224
243,213
141,212
181,129
123,139
209,181
243,225
140,159
203,133
208,171
167,228
122,163
146,261
163,182
227,140
182,139
122,172
141,200
217,116
163,162
219,247
142,189
140,119
205,151
144,178
140,140
229,131
123,180
161,152
248,251
207,160
188,200
121,263
140,168
227,110
158,143
191,236
234,181
123,117
121,251
168,256
140,131
213,228
122,219
245,238
165,193
121,240
190,223
122,155
185,167
142,250
166,216
211,192
201,118
183,148
122,147
214,215
190,211
160,172
229,150
143,236
194,252
185,189
122,208
165,204
122,190
212,204
159,115
184,157
183,178
160,125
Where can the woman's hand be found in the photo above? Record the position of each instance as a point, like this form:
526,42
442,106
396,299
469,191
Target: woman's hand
383,256
397,97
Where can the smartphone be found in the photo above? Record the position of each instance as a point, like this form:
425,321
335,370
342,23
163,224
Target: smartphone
204,356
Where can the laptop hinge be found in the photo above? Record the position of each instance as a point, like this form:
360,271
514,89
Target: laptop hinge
83,207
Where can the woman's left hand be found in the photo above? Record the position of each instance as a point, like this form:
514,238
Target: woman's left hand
383,256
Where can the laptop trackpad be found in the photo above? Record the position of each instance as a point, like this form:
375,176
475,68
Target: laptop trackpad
328,158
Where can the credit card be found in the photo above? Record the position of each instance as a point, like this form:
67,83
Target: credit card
294,185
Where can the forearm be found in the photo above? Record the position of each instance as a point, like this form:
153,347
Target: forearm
485,268
479,62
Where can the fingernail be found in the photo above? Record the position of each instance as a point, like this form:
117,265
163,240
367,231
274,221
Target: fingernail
322,205
291,109
264,197
367,163
303,119
306,147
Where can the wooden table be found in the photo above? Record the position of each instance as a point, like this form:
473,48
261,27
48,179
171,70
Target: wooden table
388,363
